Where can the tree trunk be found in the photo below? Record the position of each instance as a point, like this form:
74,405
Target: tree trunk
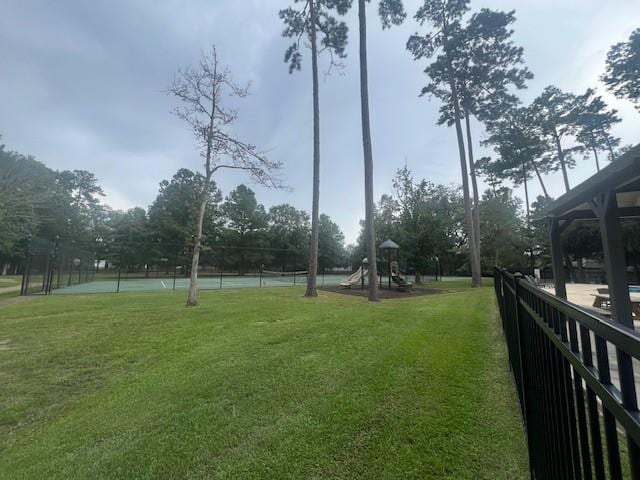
526,199
544,189
526,193
595,155
474,185
312,274
636,268
474,260
565,175
192,299
368,156
612,156
418,278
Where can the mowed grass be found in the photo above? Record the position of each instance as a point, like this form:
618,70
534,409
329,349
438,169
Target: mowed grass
257,383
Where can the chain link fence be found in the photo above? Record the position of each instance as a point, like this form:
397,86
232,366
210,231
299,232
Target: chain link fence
61,267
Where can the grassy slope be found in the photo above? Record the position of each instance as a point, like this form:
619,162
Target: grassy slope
9,286
256,384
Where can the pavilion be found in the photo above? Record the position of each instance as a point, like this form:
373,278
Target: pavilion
608,196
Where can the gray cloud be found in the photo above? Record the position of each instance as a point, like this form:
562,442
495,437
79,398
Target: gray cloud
83,87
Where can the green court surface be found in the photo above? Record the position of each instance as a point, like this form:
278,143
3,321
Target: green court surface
138,284
204,283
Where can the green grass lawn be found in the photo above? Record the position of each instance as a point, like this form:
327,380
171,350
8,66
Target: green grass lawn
257,383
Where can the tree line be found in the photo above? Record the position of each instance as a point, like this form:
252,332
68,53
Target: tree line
427,220
475,70
37,202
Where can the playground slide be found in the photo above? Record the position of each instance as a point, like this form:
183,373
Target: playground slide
400,281
354,278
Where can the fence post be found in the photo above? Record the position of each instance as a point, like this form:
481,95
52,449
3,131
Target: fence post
59,270
175,269
519,316
45,275
119,272
24,291
52,264
70,271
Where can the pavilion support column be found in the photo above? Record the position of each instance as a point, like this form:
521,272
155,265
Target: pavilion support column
605,207
559,277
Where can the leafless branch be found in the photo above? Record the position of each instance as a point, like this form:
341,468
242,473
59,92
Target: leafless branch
200,92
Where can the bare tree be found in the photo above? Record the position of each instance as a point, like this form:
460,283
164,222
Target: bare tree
200,91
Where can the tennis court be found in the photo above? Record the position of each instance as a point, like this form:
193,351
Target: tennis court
266,280
204,283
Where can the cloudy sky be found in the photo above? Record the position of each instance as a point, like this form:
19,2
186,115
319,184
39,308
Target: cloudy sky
83,88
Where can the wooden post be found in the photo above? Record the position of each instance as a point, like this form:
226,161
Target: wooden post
556,258
605,207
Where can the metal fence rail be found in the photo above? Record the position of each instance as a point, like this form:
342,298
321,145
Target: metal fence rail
579,424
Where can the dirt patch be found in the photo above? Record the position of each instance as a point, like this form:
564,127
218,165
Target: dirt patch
385,293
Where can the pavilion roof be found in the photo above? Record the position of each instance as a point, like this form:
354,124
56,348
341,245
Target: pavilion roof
621,176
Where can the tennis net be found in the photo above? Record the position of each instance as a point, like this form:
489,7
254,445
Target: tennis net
286,277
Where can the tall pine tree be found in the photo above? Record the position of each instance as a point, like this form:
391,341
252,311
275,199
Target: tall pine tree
311,19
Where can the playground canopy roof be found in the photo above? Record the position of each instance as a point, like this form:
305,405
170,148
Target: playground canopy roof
389,245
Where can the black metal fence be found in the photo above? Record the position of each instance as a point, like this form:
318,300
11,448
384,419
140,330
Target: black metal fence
580,413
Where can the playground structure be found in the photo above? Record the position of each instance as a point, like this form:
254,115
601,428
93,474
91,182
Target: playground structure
357,277
391,270
396,277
